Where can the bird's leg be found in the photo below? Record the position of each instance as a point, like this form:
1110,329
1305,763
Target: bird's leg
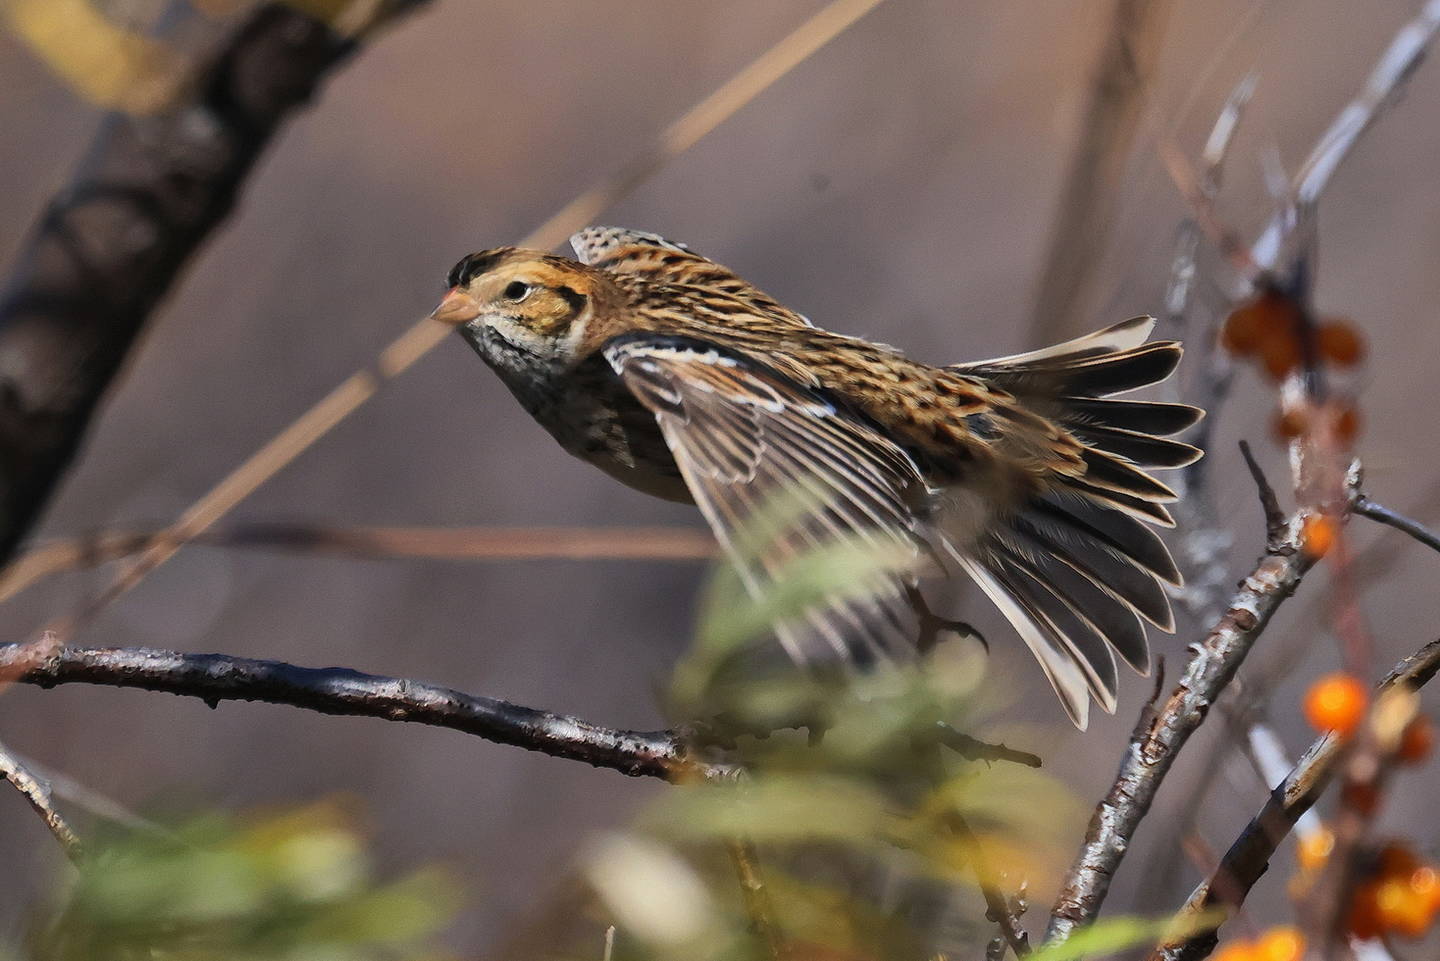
932,624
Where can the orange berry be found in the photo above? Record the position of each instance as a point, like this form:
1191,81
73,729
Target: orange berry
1339,343
1347,423
1320,532
1336,703
1289,424
1280,944
1416,742
1401,908
1265,317
1244,330
1313,850
1280,354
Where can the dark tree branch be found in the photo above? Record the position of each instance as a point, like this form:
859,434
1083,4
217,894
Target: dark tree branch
215,677
111,246
974,749
1164,729
1269,503
1249,856
336,690
1366,507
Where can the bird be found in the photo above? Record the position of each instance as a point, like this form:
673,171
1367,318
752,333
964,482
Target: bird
677,377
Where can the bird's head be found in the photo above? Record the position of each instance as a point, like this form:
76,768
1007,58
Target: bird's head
520,306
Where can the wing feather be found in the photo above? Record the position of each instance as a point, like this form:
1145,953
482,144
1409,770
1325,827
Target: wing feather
741,434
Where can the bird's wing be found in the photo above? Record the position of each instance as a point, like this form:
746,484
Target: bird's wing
743,435
653,258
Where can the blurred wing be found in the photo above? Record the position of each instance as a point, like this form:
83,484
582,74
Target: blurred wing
653,258
742,434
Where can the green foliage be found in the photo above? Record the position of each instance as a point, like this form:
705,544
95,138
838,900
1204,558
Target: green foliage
289,885
863,817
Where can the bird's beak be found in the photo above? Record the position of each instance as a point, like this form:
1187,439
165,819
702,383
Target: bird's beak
457,308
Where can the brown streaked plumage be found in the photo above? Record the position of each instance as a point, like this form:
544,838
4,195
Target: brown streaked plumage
679,378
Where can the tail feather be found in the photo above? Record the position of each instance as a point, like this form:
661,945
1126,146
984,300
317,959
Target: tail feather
1056,660
1059,618
1093,525
1113,573
1138,448
1141,416
1077,569
1116,475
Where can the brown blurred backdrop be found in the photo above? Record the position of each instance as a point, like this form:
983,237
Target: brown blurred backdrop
901,184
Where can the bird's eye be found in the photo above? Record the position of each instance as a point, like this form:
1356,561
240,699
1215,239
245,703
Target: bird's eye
517,290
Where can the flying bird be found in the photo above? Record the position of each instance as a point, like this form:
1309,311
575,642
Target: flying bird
677,377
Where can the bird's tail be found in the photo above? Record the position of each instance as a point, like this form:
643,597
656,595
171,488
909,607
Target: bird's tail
1075,568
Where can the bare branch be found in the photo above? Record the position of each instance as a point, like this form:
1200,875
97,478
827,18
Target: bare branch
1158,739
37,791
1249,856
1205,543
973,749
1366,507
215,677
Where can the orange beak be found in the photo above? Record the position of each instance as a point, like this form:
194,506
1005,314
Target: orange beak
457,308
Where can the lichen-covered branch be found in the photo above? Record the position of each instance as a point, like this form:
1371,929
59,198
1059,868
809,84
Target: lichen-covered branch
1164,728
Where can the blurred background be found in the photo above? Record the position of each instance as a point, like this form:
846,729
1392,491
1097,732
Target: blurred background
904,183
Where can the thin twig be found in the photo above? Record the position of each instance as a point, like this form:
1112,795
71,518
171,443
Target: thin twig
997,908
1155,744
1274,516
755,896
1204,546
88,799
435,543
402,353
216,677
37,791
1366,507
1249,856
973,749
1381,89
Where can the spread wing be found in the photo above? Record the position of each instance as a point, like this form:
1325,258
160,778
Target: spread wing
742,434
653,258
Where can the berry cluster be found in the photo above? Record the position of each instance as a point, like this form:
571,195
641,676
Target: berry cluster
1271,329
